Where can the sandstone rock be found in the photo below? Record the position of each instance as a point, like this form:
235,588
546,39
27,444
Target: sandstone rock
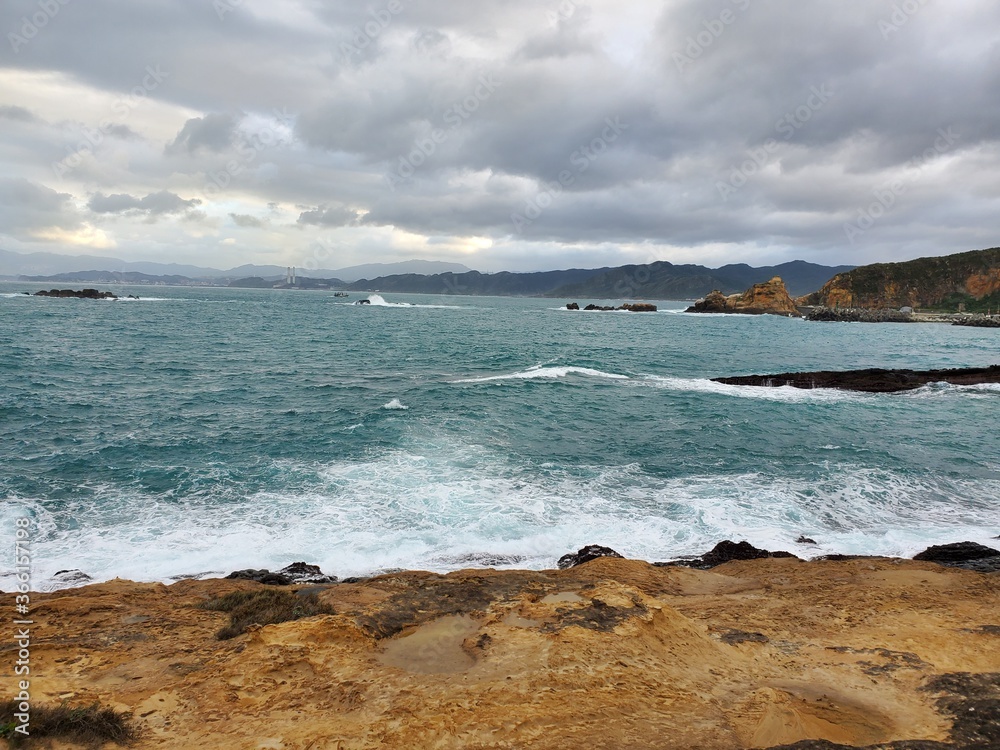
586,554
920,283
639,307
768,298
613,654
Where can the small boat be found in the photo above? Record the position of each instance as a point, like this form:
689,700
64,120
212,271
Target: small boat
341,294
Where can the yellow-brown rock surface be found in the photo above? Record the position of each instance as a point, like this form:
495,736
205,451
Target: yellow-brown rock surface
767,298
612,654
924,282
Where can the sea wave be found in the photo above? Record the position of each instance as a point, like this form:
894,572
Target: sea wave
377,300
434,505
788,394
545,372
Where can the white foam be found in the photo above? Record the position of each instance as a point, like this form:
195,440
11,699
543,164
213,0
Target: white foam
377,300
395,405
785,393
441,501
543,372
936,390
151,299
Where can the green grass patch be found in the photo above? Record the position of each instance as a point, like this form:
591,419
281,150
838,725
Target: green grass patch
91,725
990,303
267,607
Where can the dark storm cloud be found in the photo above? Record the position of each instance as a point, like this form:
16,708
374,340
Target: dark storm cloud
13,112
213,132
26,206
324,216
154,204
757,124
247,221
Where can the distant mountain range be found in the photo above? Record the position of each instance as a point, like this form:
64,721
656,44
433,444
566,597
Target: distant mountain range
13,266
659,280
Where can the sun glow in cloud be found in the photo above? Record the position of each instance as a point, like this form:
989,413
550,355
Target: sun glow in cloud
86,236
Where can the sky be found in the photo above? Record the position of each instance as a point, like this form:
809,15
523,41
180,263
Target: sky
503,134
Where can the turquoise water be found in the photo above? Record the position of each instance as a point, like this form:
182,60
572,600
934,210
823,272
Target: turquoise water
203,430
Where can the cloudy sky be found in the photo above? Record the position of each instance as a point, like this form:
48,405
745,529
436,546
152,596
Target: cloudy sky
503,134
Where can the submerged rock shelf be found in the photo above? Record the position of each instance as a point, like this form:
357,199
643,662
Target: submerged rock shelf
870,381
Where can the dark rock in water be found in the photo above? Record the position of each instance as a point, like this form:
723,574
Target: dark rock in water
983,565
363,302
959,552
859,315
485,559
871,380
965,555
260,576
588,553
640,307
991,322
300,572
82,294
805,540
727,551
71,577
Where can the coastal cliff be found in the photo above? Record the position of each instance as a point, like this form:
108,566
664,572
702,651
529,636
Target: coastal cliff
611,654
768,298
970,279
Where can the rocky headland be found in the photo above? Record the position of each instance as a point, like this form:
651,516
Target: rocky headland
872,380
759,651
948,283
768,298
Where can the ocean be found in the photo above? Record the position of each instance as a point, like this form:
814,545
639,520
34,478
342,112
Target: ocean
196,431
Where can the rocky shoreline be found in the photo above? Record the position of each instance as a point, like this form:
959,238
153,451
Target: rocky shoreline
739,648
873,380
